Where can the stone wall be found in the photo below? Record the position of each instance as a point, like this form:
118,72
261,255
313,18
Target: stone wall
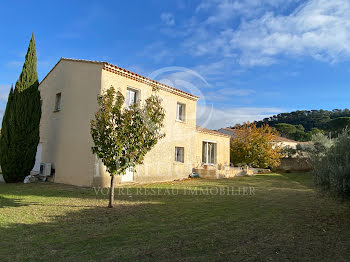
293,164
226,172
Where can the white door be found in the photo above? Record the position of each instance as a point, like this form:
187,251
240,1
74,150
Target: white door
37,158
128,176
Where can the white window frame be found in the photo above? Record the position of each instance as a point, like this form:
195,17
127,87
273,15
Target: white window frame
181,117
128,101
207,153
183,154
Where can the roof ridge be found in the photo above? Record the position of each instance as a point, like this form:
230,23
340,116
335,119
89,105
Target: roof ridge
210,131
152,80
83,60
106,64
277,137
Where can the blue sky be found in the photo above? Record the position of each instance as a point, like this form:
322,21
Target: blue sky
246,59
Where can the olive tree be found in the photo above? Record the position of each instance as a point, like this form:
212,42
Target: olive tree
123,135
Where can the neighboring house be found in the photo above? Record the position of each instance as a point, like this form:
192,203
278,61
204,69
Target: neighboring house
69,101
282,141
294,163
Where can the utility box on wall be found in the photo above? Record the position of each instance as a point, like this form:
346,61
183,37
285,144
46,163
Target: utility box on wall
45,169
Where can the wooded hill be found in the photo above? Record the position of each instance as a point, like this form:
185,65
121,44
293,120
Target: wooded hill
301,125
307,118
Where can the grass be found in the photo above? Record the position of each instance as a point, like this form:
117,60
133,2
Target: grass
285,220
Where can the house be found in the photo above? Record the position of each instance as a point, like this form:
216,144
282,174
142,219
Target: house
69,101
282,141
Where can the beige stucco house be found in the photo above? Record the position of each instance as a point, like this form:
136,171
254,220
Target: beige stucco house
69,101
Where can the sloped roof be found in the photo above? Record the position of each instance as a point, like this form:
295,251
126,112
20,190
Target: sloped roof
123,72
277,138
209,131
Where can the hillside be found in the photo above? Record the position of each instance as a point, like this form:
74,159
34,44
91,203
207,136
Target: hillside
309,119
302,124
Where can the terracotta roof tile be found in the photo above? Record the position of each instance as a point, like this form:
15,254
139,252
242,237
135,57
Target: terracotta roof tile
277,139
205,130
152,82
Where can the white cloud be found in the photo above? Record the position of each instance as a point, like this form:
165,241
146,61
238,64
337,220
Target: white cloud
159,53
168,19
4,93
182,78
227,94
236,91
213,118
14,64
208,81
316,28
224,10
2,111
320,29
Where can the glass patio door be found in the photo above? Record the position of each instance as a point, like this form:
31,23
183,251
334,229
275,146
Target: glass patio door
208,152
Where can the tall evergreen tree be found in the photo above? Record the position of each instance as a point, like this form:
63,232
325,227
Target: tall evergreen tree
20,125
6,150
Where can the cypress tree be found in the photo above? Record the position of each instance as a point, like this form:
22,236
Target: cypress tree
6,154
21,123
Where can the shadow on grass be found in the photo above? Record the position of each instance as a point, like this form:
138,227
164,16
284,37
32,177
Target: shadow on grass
46,189
67,191
182,228
10,202
96,233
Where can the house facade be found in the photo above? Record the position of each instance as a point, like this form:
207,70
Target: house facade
69,101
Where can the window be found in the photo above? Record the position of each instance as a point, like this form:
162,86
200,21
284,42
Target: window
208,152
179,154
132,96
58,102
180,112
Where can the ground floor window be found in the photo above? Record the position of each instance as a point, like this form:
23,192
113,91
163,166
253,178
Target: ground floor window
179,154
208,152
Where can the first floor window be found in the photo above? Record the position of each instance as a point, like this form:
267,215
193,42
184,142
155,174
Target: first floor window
58,102
179,154
208,152
180,112
131,96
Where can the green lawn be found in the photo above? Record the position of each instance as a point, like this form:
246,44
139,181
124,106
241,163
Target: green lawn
286,220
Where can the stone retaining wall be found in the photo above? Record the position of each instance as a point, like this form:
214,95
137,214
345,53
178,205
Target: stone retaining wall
293,164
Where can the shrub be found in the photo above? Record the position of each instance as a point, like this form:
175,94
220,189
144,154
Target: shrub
330,159
288,151
255,146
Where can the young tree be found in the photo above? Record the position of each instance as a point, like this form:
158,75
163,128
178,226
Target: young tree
123,136
255,146
20,125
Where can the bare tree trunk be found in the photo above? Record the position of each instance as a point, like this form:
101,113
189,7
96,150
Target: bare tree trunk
111,192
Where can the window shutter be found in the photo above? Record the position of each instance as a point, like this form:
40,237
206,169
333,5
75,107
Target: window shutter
127,100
